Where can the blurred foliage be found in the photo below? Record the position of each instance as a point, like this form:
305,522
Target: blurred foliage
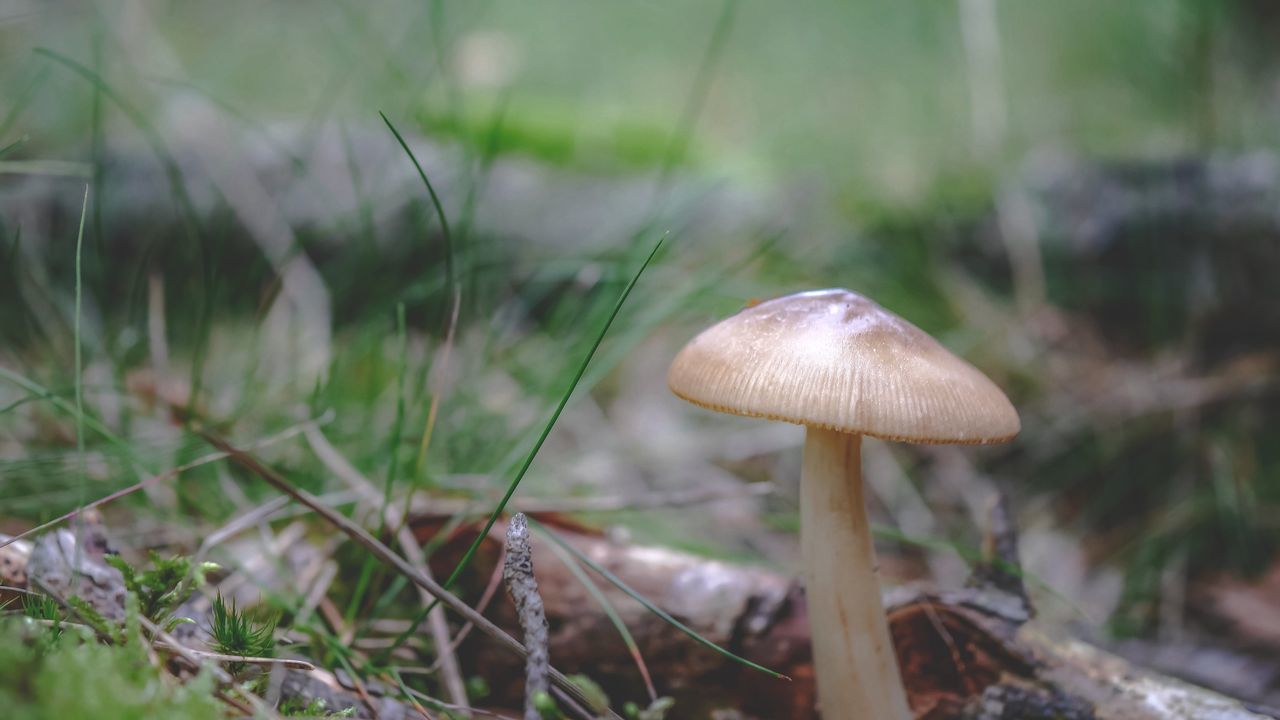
76,676
857,113
162,587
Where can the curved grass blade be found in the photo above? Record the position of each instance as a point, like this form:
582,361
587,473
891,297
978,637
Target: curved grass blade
452,291
618,583
632,647
435,201
79,360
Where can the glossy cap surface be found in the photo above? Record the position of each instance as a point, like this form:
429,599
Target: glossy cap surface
837,360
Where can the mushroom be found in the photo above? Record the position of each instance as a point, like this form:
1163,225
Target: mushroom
842,366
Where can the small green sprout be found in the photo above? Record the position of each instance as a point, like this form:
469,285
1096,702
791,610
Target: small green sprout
234,633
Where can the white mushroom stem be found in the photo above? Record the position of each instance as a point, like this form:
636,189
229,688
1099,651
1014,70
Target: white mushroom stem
853,655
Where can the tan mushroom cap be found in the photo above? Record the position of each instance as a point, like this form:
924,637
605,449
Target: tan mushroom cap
835,359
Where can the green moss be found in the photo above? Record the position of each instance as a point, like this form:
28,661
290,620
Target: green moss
76,678
561,135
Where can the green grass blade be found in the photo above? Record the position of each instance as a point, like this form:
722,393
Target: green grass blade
618,583
603,601
435,201
397,425
533,452
452,292
555,416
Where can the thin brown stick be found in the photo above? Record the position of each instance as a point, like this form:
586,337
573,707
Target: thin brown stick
384,554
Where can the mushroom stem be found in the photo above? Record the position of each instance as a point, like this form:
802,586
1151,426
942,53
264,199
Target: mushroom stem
853,655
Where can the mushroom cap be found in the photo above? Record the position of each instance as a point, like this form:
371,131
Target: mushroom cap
835,359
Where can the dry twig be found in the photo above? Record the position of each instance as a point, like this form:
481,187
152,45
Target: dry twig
518,573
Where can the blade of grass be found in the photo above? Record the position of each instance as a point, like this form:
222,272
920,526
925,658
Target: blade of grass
97,144
603,601
555,416
435,201
618,583
79,360
40,391
367,575
533,452
452,291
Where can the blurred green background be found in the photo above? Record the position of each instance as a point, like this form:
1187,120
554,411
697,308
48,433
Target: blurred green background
1078,197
